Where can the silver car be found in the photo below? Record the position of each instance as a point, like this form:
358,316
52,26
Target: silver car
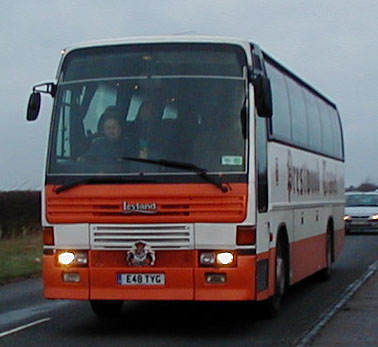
361,212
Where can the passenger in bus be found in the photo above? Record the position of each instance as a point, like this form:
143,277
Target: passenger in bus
148,131
111,144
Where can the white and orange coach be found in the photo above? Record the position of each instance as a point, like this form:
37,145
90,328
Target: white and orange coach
223,179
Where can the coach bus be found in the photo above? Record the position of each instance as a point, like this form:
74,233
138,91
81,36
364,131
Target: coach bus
186,168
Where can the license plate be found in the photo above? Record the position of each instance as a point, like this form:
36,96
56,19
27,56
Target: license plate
145,279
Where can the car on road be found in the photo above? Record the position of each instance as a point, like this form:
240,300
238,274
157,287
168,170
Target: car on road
361,212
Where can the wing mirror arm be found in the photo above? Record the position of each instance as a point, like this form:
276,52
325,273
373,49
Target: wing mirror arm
34,103
45,88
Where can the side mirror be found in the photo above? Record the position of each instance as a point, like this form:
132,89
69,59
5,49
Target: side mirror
34,106
263,95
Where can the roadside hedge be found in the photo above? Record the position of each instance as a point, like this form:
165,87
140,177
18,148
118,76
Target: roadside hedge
20,213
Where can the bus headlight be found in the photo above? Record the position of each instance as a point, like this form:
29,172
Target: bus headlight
220,258
66,258
207,259
225,258
72,258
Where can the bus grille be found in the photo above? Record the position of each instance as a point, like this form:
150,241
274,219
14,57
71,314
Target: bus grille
106,237
170,210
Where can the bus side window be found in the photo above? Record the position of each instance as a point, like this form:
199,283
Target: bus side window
328,130
281,121
170,112
135,103
338,141
299,123
63,148
314,128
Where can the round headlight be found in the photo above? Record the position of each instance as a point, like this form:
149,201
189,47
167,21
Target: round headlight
225,258
207,258
66,258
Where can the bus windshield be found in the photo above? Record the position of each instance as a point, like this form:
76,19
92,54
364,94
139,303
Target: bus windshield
174,102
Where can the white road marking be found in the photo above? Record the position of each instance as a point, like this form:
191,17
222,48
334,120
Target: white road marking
306,339
22,327
16,317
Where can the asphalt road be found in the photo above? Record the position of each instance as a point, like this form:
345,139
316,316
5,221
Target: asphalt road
26,319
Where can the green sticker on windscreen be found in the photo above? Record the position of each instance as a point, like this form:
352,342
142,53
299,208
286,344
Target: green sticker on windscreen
232,160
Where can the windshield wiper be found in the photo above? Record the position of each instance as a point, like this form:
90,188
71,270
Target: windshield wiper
68,186
185,166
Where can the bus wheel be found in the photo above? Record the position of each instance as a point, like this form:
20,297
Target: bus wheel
272,305
325,273
106,308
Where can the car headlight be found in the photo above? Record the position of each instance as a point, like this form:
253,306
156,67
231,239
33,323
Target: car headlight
374,217
347,218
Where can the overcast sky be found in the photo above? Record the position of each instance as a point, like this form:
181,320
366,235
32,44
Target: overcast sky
332,44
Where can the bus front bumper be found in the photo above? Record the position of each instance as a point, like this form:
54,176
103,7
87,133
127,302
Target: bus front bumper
112,282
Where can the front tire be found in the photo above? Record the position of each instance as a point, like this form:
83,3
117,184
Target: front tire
272,305
106,308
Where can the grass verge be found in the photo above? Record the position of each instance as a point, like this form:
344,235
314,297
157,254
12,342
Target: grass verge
19,258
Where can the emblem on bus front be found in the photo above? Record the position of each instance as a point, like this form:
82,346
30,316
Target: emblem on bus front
148,208
141,255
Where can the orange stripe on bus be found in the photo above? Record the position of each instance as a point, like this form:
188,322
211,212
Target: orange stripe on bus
177,203
309,255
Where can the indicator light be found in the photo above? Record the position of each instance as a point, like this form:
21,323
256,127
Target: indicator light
71,277
216,278
246,235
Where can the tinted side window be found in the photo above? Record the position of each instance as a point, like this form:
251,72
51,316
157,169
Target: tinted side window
281,122
327,128
63,147
299,125
314,128
338,140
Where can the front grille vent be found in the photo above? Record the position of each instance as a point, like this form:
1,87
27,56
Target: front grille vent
116,237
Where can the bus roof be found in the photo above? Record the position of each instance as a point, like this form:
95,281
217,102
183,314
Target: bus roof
246,44
160,39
